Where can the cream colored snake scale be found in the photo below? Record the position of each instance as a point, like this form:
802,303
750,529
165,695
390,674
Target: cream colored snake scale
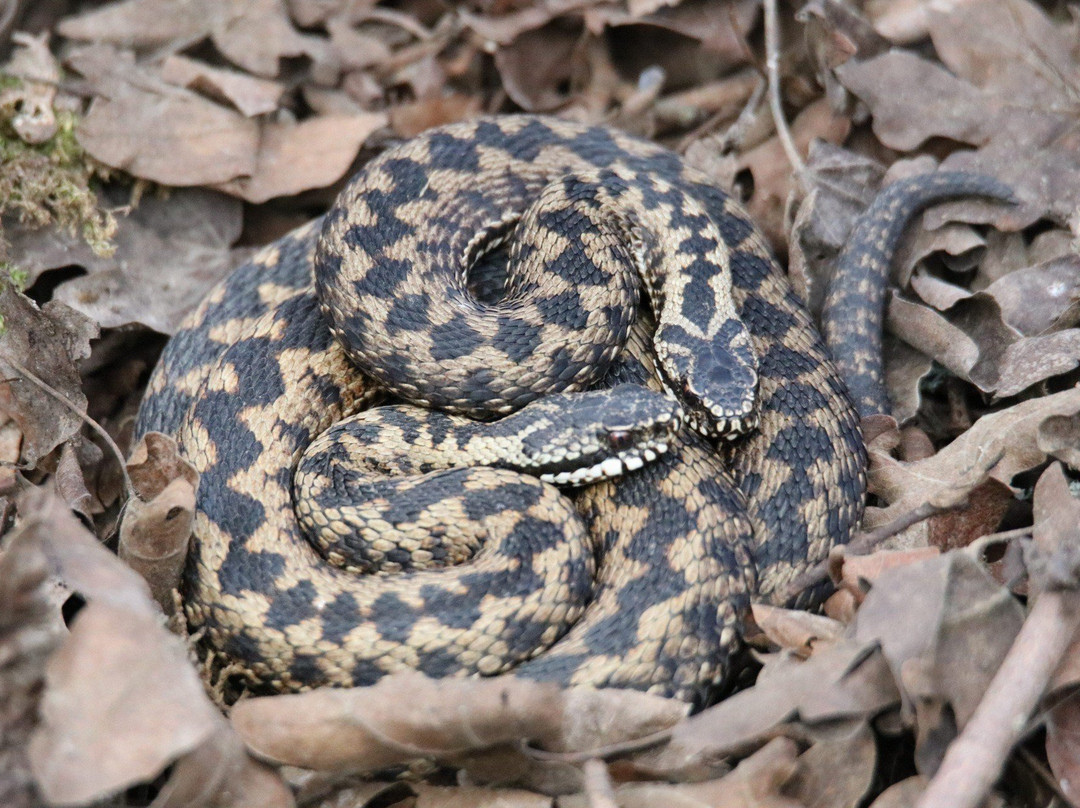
336,541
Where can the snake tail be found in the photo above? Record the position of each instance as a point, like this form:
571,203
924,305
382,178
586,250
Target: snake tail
855,300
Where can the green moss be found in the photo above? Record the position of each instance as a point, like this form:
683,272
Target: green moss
51,182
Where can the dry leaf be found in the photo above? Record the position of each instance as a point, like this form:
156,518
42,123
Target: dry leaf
475,797
33,95
771,173
170,251
1052,565
95,738
855,573
1059,436
1028,146
409,120
253,34
157,131
310,154
1040,298
845,188
47,342
904,794
540,68
913,99
407,716
838,770
250,95
156,525
944,625
121,702
71,485
796,630
30,628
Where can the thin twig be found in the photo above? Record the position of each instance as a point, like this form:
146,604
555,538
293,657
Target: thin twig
48,389
973,761
772,71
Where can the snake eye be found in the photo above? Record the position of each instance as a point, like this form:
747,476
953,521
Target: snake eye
620,440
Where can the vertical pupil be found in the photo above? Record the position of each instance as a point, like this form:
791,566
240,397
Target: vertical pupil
619,440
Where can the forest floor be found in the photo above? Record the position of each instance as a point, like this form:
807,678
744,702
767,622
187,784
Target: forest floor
147,147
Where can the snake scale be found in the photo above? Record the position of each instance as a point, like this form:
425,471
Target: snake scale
641,585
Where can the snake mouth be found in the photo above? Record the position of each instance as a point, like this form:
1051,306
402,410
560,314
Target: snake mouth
729,423
730,428
609,468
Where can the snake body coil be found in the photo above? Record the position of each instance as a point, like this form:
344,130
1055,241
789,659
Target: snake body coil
649,595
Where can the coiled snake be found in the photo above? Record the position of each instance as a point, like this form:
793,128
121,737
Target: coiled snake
493,570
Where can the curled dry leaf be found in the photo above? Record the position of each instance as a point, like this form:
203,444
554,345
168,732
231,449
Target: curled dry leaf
858,572
944,625
972,340
843,189
537,64
771,172
854,574
795,630
1059,437
47,342
407,716
71,485
156,525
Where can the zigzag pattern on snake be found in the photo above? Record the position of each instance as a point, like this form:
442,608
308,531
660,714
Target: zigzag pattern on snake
672,551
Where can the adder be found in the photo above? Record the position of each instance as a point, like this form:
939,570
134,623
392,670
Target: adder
492,571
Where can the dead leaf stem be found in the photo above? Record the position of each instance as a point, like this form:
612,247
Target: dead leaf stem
30,376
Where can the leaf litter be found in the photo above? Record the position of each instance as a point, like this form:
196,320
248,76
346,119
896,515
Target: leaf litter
149,145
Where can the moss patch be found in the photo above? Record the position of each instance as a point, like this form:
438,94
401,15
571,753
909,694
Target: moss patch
50,182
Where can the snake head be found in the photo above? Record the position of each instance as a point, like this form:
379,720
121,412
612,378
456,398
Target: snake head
714,379
579,438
